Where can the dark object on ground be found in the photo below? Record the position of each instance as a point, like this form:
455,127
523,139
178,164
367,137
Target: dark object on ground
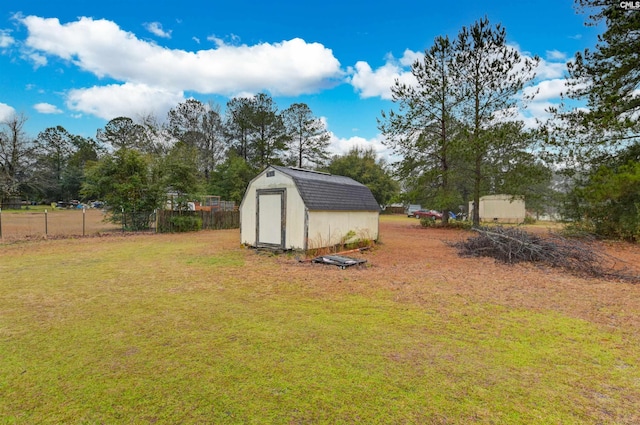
513,245
338,260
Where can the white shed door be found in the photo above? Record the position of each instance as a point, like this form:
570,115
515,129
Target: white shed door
271,217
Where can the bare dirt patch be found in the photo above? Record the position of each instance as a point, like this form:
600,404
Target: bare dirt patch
419,264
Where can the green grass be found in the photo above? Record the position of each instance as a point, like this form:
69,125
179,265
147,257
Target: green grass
188,329
32,208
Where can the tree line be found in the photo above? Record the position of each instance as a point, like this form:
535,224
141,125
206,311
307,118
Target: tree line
456,133
598,145
459,138
197,150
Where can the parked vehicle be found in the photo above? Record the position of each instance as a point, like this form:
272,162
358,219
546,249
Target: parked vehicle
412,209
432,214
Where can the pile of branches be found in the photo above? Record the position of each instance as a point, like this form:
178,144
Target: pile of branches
513,245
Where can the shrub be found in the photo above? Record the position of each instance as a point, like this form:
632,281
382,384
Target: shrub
428,222
451,224
185,223
459,224
579,230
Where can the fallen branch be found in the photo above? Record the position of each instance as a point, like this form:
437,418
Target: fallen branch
514,245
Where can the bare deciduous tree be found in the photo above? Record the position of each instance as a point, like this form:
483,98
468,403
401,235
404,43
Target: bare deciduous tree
15,151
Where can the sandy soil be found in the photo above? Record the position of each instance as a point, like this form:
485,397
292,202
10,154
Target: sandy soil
418,263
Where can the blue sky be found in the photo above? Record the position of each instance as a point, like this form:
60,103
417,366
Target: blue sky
78,64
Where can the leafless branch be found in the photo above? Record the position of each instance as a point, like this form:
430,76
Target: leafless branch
513,245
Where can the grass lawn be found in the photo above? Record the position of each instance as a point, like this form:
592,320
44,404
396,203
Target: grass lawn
196,329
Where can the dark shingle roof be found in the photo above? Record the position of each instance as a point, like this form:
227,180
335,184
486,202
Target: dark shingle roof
326,192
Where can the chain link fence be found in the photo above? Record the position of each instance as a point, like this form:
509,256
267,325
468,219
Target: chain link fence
16,225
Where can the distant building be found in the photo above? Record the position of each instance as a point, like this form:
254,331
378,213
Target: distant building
500,208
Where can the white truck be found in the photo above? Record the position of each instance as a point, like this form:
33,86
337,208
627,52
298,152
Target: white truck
412,208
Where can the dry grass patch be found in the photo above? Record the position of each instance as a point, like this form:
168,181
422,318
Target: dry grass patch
196,329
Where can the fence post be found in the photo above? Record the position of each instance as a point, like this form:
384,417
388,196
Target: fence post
123,219
84,210
46,224
0,223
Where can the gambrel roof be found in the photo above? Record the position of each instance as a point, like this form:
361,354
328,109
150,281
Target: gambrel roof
326,192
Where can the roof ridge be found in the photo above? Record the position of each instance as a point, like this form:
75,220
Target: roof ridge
322,191
306,170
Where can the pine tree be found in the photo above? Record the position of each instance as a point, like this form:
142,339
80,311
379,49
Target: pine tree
609,75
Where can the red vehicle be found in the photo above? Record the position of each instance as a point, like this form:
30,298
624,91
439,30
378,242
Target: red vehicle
428,214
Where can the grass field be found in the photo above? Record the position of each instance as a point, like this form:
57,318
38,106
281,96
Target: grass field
194,328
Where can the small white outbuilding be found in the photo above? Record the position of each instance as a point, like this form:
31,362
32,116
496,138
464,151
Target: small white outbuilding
501,208
293,208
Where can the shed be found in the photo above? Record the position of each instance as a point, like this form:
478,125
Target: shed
501,208
293,208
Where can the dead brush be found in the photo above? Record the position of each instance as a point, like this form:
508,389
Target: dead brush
512,245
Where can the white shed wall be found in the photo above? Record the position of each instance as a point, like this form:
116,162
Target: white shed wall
295,210
327,228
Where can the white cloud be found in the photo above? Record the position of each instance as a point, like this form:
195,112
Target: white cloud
6,112
372,83
290,67
535,113
547,89
129,99
37,59
47,108
341,146
219,42
5,39
409,57
548,69
155,28
539,110
244,95
556,55
229,40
